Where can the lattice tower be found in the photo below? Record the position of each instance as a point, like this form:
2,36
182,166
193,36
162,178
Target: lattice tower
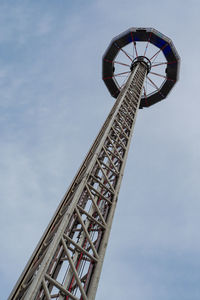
67,261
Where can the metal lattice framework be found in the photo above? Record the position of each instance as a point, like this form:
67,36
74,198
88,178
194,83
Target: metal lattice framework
68,260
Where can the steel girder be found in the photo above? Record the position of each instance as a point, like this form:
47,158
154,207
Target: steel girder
67,262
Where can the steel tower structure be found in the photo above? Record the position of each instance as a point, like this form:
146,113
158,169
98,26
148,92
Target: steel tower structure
67,261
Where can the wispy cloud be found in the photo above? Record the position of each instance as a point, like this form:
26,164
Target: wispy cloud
52,103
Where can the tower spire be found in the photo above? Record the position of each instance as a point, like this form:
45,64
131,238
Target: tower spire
68,260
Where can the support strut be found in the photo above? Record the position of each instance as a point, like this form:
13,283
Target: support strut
68,260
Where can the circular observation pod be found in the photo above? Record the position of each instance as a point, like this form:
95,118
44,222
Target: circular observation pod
151,47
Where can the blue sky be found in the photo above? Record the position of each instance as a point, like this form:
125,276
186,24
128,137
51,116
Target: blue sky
52,104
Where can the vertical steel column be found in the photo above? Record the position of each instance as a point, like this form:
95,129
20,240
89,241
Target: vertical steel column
68,260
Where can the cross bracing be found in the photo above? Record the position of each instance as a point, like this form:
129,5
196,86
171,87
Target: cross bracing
67,262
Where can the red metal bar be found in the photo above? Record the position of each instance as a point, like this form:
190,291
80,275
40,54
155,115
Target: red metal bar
164,63
126,54
118,74
158,51
120,63
155,86
134,43
147,44
161,76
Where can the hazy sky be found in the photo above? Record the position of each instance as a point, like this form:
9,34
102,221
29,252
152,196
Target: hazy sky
52,104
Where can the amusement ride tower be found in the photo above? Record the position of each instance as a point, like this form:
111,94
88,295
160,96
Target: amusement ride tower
68,259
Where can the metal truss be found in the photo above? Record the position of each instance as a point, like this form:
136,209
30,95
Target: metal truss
68,260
